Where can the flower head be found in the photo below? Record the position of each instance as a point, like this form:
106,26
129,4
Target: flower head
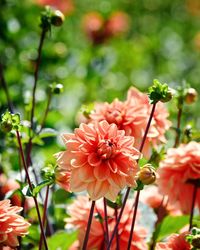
99,159
177,173
175,242
132,117
12,225
79,212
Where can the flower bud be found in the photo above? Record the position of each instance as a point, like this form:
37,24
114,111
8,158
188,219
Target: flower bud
196,241
57,18
56,88
6,126
168,95
147,174
191,96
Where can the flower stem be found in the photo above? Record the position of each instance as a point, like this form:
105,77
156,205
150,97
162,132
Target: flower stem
31,188
117,233
128,189
44,214
88,226
193,204
134,219
178,127
106,221
46,111
42,37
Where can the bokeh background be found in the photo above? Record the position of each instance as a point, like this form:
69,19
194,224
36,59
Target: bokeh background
101,50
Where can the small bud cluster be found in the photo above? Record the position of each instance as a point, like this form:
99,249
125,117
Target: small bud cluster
51,17
160,92
9,122
56,88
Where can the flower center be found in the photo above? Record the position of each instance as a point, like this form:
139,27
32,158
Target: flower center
114,116
106,149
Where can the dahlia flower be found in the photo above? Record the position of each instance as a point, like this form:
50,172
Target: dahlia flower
154,199
175,242
79,212
132,116
12,225
99,159
177,172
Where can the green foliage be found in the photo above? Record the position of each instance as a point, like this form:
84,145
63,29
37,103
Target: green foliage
10,121
61,240
170,224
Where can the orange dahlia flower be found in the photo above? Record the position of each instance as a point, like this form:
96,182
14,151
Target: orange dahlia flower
79,212
12,225
175,242
132,116
100,158
177,173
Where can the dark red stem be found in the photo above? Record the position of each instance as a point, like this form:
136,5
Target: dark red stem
88,226
193,204
106,221
128,189
31,188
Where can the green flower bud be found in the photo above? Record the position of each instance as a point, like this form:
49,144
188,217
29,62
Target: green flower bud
147,174
6,126
160,92
57,18
56,88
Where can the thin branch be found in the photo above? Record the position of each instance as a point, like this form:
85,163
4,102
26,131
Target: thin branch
88,226
193,204
106,221
128,189
31,188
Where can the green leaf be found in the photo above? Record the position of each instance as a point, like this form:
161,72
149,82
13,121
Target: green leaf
61,240
170,224
47,132
37,189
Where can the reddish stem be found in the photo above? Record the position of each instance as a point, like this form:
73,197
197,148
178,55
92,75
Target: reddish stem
178,133
117,233
44,214
106,221
88,226
31,188
193,204
128,189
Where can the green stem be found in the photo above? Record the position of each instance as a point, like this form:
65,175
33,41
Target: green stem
178,133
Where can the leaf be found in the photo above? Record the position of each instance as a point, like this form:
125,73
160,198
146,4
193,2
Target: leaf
170,224
61,240
37,189
47,132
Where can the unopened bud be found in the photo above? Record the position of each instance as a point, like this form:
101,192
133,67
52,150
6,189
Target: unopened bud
191,96
57,18
6,126
168,95
196,241
147,174
56,88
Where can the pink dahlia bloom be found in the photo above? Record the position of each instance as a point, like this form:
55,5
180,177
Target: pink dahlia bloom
132,116
175,242
177,172
100,159
12,225
154,199
79,212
